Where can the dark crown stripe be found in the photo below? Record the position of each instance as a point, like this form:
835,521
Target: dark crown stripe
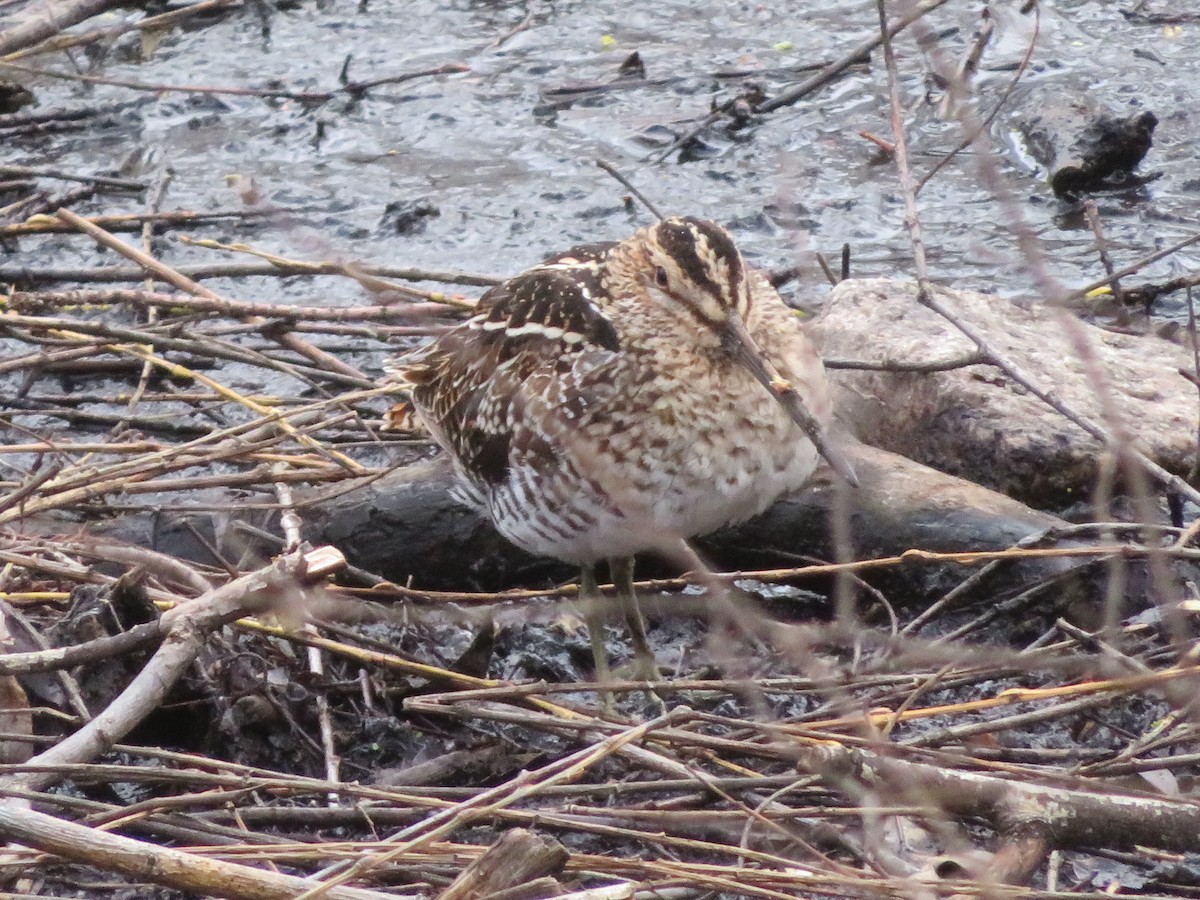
695,245
678,239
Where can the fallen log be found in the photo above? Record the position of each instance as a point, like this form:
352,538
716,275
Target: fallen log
972,421
517,858
408,528
46,20
165,866
969,421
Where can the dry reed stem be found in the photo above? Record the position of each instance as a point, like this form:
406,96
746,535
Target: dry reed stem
256,591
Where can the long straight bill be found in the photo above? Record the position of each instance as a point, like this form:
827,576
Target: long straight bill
749,355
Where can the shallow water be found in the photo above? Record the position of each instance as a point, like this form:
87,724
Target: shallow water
514,178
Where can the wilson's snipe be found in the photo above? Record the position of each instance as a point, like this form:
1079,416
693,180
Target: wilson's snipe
623,397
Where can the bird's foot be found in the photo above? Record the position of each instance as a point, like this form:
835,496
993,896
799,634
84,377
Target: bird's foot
640,668
644,667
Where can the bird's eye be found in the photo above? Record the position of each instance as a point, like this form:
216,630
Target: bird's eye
660,277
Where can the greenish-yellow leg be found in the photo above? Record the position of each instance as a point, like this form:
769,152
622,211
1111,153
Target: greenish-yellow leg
593,615
644,665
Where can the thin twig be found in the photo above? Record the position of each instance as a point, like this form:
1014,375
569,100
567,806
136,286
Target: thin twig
354,89
101,274
319,357
1093,217
257,591
612,170
794,94
290,523
927,295
973,135
102,180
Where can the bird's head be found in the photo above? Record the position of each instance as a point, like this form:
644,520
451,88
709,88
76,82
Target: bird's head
693,265
692,268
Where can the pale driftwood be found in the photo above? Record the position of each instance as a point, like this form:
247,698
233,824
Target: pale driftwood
47,19
160,865
1033,817
51,659
259,590
519,856
537,889
972,421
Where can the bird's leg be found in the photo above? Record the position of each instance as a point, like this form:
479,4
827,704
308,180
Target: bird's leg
645,666
593,615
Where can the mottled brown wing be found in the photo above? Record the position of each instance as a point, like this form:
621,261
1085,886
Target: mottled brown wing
471,387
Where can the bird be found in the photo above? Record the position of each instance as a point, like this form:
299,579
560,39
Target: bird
622,397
